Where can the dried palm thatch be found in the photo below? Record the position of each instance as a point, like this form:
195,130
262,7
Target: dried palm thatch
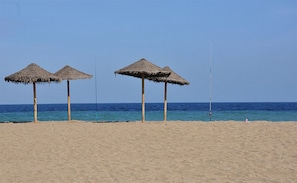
69,73
143,69
32,74
173,78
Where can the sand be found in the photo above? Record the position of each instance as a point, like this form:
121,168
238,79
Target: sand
148,152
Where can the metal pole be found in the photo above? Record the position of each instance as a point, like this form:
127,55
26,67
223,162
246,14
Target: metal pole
210,82
96,91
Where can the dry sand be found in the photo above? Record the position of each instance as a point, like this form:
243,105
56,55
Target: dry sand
149,152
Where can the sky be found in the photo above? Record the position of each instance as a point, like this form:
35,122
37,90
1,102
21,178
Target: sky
252,46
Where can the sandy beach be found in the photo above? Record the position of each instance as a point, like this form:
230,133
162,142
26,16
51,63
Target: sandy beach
148,152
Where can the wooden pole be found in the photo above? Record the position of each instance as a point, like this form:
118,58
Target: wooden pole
143,106
69,109
165,102
35,102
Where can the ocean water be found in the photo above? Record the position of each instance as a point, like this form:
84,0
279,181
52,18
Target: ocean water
113,112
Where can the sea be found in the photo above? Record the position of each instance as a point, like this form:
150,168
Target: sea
126,112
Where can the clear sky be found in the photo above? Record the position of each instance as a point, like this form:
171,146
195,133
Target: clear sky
254,48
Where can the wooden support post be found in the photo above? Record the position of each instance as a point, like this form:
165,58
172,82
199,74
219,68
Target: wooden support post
35,102
165,102
69,109
143,106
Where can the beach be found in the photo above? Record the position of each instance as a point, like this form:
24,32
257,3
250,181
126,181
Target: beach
178,151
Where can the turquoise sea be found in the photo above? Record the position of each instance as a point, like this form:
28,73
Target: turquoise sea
113,112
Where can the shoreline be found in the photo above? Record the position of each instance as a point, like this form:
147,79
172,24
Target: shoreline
168,121
154,112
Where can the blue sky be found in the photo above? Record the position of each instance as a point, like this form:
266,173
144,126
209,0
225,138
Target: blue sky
254,48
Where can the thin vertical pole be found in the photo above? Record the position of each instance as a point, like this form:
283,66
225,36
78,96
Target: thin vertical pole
210,81
143,106
69,109
96,91
35,102
165,102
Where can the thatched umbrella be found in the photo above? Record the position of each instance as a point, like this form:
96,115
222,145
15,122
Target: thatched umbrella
69,73
143,69
32,74
173,79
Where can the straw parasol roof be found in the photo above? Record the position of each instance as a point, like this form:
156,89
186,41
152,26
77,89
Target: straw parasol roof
143,69
32,74
173,78
69,73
